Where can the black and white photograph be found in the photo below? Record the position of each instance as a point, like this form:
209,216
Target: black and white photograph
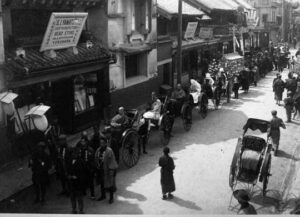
150,107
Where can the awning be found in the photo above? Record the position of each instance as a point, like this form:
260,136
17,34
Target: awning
244,4
132,49
169,8
194,44
209,5
50,3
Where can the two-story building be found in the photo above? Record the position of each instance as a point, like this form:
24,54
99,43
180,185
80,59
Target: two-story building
133,38
73,80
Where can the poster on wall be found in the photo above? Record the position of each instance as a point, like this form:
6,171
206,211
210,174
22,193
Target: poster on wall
63,31
190,30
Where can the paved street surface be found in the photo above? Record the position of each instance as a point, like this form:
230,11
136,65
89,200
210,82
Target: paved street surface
202,158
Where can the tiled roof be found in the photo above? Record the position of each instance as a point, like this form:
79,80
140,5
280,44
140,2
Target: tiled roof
171,7
56,3
35,62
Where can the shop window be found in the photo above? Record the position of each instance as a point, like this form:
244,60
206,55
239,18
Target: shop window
131,66
85,91
135,68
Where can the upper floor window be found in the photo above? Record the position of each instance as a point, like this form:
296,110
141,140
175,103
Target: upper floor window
265,18
141,19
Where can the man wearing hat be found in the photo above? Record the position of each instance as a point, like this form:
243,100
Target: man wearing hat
289,105
274,130
40,164
63,156
278,88
243,199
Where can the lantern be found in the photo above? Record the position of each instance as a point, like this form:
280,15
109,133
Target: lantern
40,122
9,108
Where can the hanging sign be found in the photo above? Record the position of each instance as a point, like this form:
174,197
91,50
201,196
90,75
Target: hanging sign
206,33
63,31
190,30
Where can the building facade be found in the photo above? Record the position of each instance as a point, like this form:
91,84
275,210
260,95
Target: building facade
133,39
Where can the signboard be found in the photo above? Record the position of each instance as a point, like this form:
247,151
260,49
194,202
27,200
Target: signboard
63,31
206,33
190,30
252,19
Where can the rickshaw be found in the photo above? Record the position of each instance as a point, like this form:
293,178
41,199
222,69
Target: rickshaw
252,157
128,141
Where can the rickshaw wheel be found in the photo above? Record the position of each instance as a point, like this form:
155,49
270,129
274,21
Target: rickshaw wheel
187,117
267,171
130,149
234,167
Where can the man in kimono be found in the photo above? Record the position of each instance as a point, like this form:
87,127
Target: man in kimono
167,180
274,130
289,105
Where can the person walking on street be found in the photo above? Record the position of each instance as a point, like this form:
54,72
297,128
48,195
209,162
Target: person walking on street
100,169
289,105
110,171
166,179
295,42
40,164
278,88
63,157
274,130
255,75
243,199
296,99
76,173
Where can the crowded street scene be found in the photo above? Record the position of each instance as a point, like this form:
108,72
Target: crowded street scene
150,107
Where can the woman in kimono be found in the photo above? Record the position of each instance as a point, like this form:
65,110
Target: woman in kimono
167,180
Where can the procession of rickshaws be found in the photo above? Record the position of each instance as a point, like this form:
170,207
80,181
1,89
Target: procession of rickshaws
251,161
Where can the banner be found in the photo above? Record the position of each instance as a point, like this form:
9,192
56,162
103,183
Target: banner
190,30
63,31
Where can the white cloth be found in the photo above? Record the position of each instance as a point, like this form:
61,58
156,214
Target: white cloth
151,115
195,90
155,112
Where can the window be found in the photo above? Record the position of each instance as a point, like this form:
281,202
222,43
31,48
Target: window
141,19
131,66
265,18
85,90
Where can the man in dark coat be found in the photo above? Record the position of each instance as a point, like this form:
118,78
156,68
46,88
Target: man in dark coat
291,84
278,88
87,155
63,157
100,169
274,130
76,173
40,164
289,105
167,180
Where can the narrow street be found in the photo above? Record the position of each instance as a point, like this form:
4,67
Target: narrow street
202,158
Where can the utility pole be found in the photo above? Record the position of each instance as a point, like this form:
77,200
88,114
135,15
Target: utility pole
283,21
2,58
234,40
179,42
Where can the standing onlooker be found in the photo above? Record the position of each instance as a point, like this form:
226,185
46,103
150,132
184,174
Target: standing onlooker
243,199
99,168
167,180
274,130
296,99
87,154
236,86
40,164
289,105
63,157
291,84
110,171
255,75
76,172
295,42
278,88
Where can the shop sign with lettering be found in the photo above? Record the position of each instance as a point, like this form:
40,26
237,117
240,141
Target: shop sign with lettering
190,30
63,31
206,33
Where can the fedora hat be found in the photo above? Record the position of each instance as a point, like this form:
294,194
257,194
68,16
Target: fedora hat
241,195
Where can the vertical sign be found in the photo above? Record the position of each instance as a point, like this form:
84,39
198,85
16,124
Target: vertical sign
190,30
63,31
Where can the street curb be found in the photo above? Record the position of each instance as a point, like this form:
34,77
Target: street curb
288,179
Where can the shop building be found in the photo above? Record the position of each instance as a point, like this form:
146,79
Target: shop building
73,81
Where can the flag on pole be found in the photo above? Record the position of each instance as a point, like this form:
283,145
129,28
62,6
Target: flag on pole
236,41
